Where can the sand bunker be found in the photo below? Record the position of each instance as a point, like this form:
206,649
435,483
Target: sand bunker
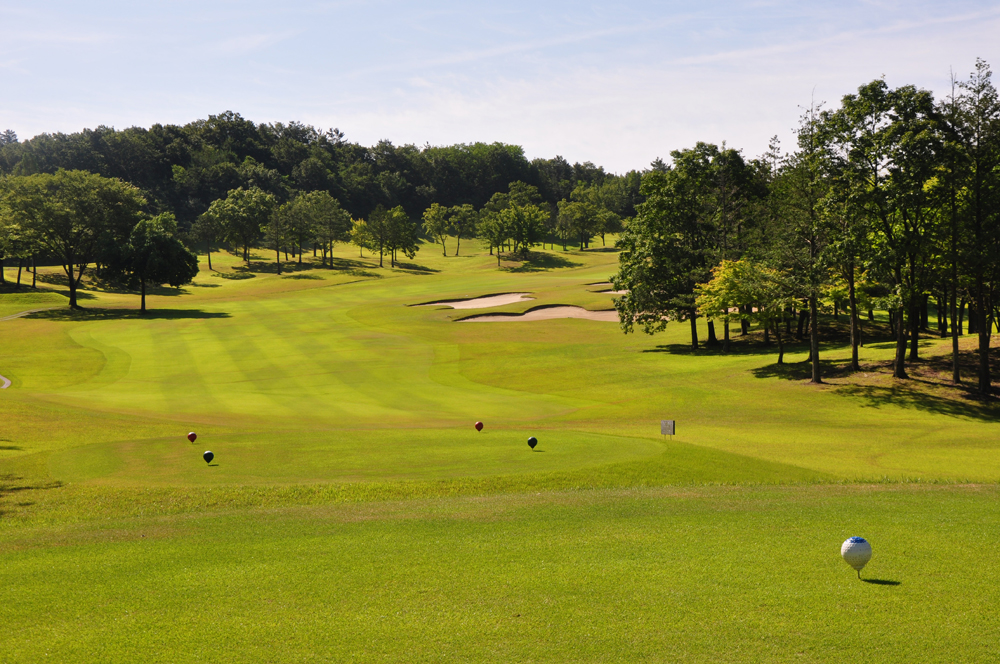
482,302
546,313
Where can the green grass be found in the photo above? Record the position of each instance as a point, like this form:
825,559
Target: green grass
353,512
698,574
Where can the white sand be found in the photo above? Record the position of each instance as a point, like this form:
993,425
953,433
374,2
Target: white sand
546,313
482,302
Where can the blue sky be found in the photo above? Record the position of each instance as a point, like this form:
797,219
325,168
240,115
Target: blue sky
614,83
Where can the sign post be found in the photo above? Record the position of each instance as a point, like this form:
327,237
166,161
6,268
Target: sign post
667,428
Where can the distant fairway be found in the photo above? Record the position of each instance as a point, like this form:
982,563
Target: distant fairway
353,511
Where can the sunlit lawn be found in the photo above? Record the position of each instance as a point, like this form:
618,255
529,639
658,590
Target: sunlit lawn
353,512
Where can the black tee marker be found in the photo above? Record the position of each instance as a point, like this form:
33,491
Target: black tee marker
532,442
208,456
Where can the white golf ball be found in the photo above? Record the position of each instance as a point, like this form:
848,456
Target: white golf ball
856,552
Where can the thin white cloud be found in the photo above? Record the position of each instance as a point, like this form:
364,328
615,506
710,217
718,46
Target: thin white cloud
244,44
466,57
843,37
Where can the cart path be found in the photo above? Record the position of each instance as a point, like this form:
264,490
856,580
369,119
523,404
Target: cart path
25,313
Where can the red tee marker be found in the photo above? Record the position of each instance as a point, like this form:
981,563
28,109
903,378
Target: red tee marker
192,436
479,426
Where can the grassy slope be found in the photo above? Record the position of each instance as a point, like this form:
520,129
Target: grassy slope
284,368
327,399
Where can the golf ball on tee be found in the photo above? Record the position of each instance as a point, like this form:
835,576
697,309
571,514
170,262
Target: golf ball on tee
856,552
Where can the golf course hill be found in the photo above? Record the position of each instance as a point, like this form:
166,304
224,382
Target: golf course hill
336,502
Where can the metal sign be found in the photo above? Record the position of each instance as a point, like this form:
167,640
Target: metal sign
667,427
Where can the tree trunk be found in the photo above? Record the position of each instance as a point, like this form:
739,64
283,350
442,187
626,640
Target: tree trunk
277,258
961,317
871,315
300,253
942,320
458,244
814,338
725,334
34,270
781,344
142,291
915,315
852,303
209,254
898,368
956,329
925,313
836,311
68,268
973,320
983,328
712,339
803,315
744,320
20,265
788,322
694,329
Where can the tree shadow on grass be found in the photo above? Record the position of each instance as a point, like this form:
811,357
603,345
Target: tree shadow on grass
920,391
12,485
263,267
736,349
882,582
413,267
541,261
912,394
11,448
88,314
803,370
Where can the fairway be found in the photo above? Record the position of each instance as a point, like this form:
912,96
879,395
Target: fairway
353,512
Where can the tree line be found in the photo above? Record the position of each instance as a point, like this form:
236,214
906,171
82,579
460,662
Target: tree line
227,181
888,201
184,169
